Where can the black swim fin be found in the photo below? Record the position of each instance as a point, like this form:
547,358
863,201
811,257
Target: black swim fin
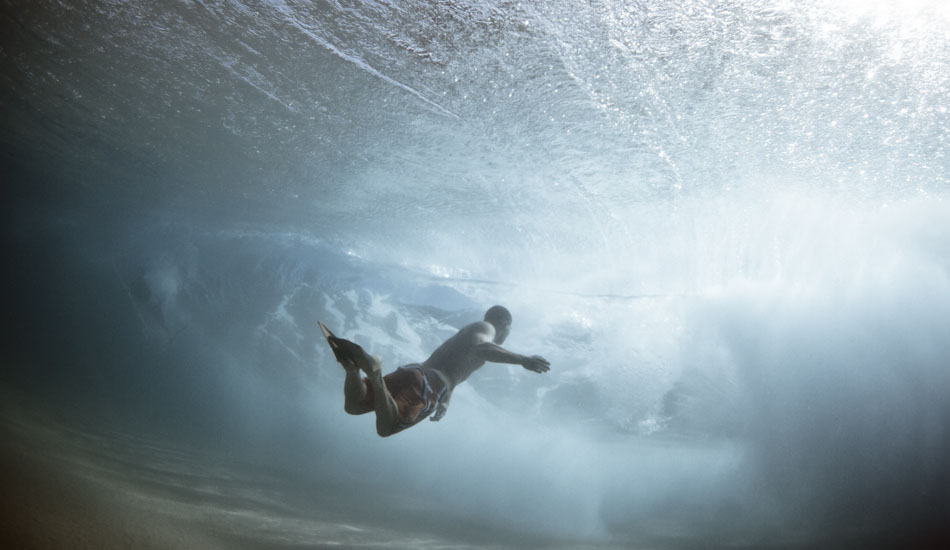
347,353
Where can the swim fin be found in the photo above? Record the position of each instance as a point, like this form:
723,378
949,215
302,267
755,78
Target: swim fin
347,353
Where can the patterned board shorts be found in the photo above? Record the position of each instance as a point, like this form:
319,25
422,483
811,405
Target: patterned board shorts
416,392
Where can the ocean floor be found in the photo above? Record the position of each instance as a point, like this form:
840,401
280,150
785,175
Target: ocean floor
73,486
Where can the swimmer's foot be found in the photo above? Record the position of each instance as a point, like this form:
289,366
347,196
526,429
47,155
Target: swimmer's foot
371,365
357,356
351,355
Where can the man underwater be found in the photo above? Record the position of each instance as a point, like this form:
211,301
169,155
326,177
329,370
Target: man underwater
406,396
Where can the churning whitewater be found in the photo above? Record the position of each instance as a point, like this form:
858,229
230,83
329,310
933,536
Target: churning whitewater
725,223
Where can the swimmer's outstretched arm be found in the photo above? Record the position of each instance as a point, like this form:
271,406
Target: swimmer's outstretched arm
493,353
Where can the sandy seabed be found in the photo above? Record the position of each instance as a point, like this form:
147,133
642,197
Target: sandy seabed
65,487
75,487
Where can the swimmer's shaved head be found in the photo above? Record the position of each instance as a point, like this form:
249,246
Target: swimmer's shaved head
500,318
498,315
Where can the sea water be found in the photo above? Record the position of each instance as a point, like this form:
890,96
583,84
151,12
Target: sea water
724,223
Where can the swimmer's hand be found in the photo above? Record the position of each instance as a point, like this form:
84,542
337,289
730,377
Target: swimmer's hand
439,413
536,363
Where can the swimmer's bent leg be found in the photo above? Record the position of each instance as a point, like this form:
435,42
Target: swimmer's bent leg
387,413
355,390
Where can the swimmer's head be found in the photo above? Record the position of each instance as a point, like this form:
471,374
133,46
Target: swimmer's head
500,318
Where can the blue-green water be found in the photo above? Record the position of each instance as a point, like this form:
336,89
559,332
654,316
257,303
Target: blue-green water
725,223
